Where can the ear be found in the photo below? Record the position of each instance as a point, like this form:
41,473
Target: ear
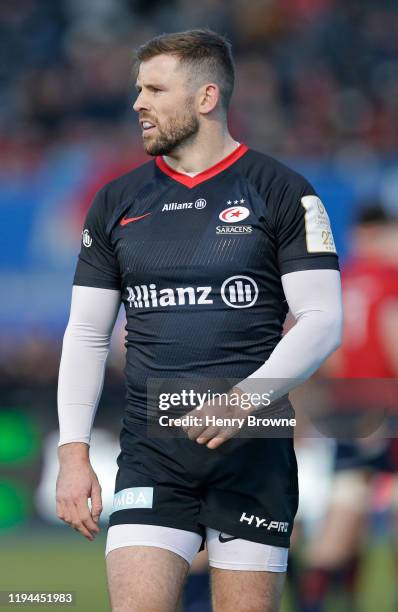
208,97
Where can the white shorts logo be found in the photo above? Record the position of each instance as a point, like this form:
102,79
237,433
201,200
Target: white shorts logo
239,291
134,497
318,232
234,214
257,521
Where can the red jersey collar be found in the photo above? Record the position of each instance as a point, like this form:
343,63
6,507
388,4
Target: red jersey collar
192,181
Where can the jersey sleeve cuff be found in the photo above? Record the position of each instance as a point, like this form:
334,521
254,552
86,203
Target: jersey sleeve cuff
320,262
88,275
99,283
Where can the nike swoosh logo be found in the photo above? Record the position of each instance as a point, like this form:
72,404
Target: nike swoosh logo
227,539
126,220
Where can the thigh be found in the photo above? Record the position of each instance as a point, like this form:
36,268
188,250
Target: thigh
145,578
246,591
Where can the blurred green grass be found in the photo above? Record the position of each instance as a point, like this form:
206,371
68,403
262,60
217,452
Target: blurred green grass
58,559
54,560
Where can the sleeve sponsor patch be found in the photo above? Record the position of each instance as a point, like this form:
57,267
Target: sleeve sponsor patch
318,232
87,241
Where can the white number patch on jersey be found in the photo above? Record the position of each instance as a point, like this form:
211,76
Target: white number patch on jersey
318,232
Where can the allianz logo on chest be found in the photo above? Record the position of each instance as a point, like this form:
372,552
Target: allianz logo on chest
199,204
236,292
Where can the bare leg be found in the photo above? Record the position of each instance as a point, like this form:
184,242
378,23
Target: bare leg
334,551
145,579
340,539
246,591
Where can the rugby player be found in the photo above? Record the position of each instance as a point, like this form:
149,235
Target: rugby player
369,351
207,246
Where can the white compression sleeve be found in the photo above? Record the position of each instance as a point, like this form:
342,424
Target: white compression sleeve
84,352
314,299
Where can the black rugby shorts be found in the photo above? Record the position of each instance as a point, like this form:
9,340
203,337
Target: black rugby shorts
246,488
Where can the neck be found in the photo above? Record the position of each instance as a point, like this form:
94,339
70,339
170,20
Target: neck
207,148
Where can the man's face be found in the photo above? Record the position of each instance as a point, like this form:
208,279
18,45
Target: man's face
165,105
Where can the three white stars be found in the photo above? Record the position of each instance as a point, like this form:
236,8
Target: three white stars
242,201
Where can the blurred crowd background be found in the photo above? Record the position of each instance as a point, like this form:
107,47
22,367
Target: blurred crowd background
317,87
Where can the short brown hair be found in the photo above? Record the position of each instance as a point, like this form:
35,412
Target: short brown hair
203,50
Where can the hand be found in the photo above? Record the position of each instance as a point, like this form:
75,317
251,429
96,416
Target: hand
76,483
215,435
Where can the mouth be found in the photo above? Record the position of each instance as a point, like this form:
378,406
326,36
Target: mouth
147,126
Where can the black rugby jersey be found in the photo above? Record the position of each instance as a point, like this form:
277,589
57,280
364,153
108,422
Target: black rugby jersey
199,261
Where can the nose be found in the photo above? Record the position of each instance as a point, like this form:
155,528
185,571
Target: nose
140,103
